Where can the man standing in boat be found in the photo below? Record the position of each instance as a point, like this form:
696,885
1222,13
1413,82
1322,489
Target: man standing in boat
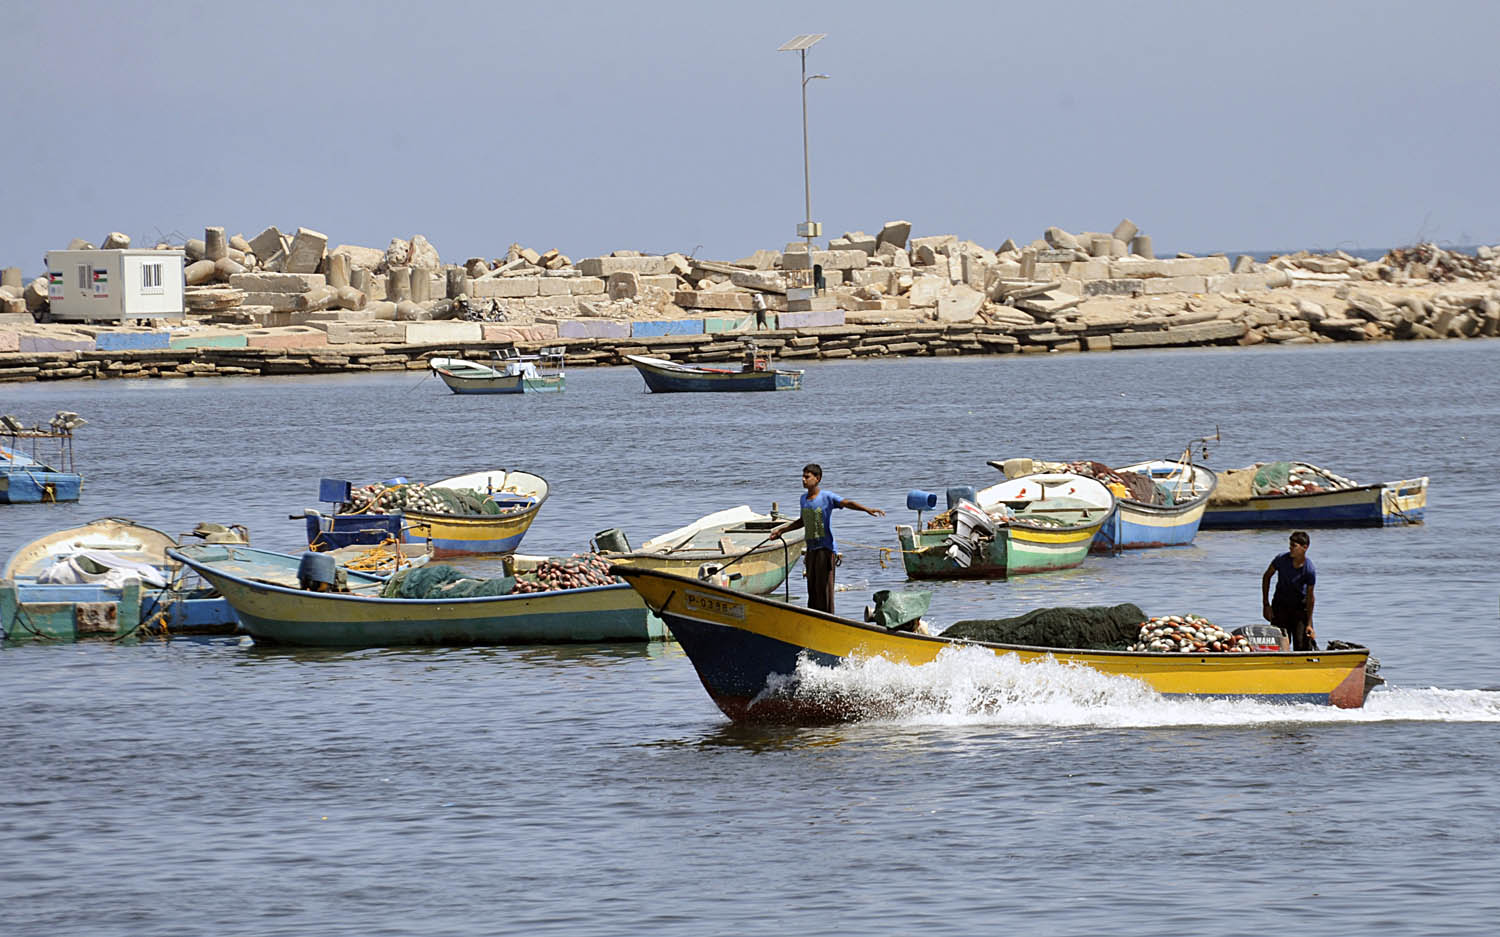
822,552
1291,609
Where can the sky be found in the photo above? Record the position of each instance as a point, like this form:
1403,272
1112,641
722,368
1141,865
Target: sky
597,126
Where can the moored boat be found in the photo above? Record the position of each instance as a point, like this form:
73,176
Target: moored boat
1159,502
1031,524
1293,494
278,600
477,513
748,651
36,463
736,544
112,578
756,374
509,373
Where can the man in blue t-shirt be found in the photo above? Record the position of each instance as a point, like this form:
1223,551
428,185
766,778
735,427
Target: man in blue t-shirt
822,550
1291,609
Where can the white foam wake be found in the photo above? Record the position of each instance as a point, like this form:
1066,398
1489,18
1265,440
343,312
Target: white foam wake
968,685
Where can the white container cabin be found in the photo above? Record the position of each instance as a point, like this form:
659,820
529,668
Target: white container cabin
115,285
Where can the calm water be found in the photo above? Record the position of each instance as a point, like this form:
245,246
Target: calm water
203,787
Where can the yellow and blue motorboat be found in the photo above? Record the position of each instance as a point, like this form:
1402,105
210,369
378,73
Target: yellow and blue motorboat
746,650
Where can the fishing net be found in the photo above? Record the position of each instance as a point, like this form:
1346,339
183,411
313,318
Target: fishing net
1097,627
1271,476
1236,486
440,581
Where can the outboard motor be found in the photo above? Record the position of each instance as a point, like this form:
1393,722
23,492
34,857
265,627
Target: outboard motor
971,527
317,572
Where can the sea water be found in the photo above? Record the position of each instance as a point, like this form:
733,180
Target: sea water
215,786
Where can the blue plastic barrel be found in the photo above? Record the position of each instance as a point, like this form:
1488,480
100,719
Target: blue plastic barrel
962,493
918,500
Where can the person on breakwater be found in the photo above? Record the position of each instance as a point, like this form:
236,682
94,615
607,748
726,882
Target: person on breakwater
1291,609
822,551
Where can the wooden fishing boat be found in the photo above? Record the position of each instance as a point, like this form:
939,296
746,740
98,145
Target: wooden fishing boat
510,373
1031,524
1159,502
511,501
110,577
666,377
747,649
736,544
1298,494
265,590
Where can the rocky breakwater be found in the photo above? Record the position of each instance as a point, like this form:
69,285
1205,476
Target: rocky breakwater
307,308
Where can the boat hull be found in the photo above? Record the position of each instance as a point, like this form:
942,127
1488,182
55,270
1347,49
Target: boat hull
26,486
466,535
1381,505
1136,526
660,380
284,615
1015,551
504,384
744,645
30,610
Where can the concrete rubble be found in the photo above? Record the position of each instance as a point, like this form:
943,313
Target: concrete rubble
290,303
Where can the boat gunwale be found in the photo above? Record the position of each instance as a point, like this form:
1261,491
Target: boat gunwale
203,568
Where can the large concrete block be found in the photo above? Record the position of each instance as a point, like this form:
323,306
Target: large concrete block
714,299
959,303
1231,282
294,336
366,333
593,328
119,341
504,287
604,266
810,320
829,260
715,324
266,244
895,234
276,302
32,342
306,253
9,340
1124,287
442,333
209,338
656,329
585,286
536,332
1178,284
277,282
1199,334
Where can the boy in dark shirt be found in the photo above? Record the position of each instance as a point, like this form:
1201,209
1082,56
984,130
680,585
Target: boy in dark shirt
1291,609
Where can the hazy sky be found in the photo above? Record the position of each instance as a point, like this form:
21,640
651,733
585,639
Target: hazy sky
593,126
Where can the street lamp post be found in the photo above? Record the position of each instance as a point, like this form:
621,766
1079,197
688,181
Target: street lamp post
809,229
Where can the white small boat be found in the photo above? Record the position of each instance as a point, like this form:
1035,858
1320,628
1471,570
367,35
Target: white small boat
510,373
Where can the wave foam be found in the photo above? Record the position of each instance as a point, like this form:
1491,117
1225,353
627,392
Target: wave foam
968,685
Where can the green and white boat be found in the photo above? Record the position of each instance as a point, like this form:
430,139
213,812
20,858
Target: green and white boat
1031,524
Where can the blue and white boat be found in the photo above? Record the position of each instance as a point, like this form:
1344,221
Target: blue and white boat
109,578
24,477
1170,513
